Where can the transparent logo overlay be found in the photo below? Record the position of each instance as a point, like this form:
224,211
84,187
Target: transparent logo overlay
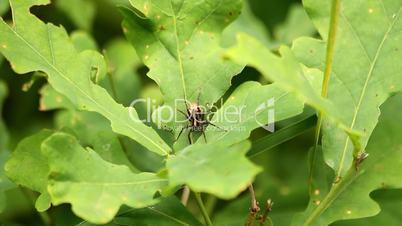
205,117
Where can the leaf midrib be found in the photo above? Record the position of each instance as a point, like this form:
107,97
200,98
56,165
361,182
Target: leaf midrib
168,216
369,75
333,195
178,47
82,91
178,52
105,184
224,134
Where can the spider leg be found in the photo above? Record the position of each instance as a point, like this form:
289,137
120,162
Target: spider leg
210,123
185,103
185,115
190,138
205,137
170,130
181,131
198,98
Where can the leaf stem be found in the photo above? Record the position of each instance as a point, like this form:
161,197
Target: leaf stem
333,194
335,11
268,209
210,204
185,195
254,208
204,212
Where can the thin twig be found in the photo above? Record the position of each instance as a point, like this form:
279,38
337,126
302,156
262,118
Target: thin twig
254,208
268,209
204,212
210,204
335,11
185,195
254,202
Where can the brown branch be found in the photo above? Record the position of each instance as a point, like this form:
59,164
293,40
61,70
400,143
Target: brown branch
268,209
254,209
185,195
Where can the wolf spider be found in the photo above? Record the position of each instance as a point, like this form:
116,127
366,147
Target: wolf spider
197,120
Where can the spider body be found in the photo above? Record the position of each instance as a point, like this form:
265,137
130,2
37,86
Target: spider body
195,115
197,119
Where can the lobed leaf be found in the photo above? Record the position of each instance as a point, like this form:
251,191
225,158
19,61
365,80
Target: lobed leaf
27,166
179,41
31,45
390,202
365,68
350,197
286,71
94,131
98,188
226,169
250,106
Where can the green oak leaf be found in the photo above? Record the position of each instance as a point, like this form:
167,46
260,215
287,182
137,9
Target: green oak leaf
4,7
28,167
98,189
286,71
91,128
283,70
365,68
94,131
179,41
81,12
350,197
226,169
391,213
31,45
253,105
50,99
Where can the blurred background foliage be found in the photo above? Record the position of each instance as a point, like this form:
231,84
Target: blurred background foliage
95,24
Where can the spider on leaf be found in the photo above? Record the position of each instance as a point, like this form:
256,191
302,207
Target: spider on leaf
197,119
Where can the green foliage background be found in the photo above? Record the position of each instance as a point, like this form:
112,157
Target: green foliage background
65,134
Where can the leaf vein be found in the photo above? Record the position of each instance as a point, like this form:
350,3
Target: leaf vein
369,75
78,88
